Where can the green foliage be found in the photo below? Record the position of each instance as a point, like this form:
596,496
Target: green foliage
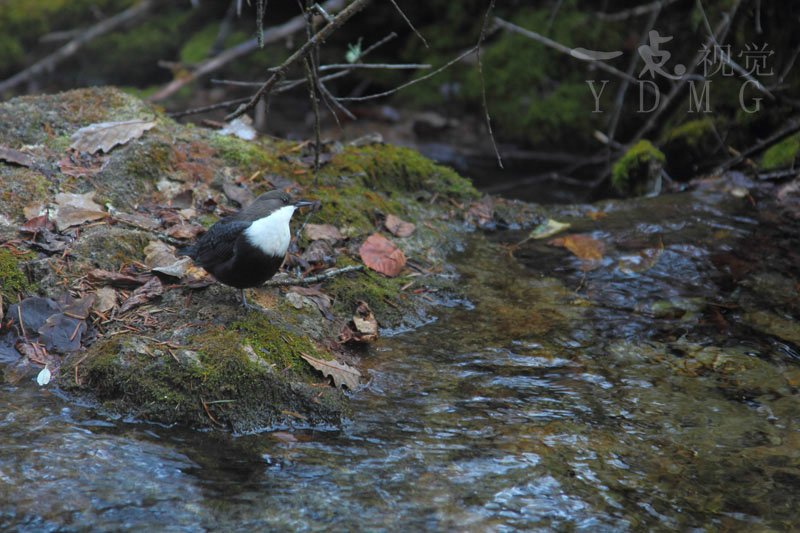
782,154
633,171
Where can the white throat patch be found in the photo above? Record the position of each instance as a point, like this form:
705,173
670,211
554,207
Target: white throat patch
271,234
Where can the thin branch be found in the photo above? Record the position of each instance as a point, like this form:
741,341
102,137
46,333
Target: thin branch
271,35
49,62
789,130
612,128
634,11
312,279
718,35
301,52
196,110
409,83
570,52
483,83
725,57
388,66
409,23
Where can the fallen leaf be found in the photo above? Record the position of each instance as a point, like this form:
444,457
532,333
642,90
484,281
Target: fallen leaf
644,260
588,250
79,308
137,220
67,216
596,215
32,312
382,255
62,333
185,231
143,294
238,194
399,227
106,135
341,373
365,323
106,299
182,200
161,257
123,281
547,229
44,377
13,156
320,299
241,127
37,224
325,232
82,201
34,209
319,251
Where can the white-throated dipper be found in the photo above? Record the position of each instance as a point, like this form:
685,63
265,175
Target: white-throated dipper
247,248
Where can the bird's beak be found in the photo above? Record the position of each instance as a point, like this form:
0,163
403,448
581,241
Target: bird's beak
303,203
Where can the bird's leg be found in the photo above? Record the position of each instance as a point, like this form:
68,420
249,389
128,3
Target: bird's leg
247,305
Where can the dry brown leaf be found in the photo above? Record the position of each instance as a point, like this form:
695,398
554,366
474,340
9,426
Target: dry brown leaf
341,373
106,299
588,250
137,220
13,156
106,135
160,256
67,216
326,232
185,231
143,294
382,255
399,227
644,260
365,323
37,224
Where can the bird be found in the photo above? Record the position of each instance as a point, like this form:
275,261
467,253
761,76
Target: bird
247,248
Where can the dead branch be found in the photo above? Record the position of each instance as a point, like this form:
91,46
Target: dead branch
718,35
412,82
271,35
49,62
792,128
634,11
421,38
300,53
570,52
312,279
483,84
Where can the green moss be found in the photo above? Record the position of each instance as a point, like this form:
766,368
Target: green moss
637,168
19,187
13,281
278,347
782,154
151,161
389,168
237,152
368,286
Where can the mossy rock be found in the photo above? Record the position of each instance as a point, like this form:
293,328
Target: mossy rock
215,381
638,171
13,280
783,154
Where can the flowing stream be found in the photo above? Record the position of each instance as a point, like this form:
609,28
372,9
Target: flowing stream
552,397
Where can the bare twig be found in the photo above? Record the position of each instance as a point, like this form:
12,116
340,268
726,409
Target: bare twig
570,52
301,52
387,66
204,109
718,35
727,59
407,84
483,84
312,279
421,38
49,62
612,128
634,11
271,35
792,128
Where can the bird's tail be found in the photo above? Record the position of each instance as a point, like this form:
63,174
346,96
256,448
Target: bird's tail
189,250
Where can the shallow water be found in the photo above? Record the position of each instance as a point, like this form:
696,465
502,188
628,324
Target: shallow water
553,400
